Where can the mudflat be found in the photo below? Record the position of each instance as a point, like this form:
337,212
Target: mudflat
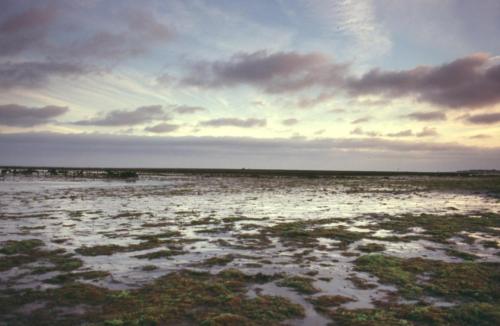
250,248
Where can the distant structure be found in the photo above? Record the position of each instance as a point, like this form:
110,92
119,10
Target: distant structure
480,172
70,172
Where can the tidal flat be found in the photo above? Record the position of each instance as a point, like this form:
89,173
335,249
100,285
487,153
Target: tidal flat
229,248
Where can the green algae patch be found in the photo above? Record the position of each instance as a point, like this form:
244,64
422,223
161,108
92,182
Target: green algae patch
300,284
415,277
371,247
160,254
440,228
489,184
327,301
233,219
462,255
221,260
148,268
481,314
176,299
303,232
25,252
157,236
16,247
70,277
99,250
107,250
490,244
226,319
361,283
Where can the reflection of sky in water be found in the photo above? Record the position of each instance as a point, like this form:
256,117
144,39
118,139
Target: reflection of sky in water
87,212
273,197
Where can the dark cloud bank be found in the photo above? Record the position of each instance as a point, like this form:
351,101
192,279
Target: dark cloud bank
25,29
486,118
114,118
36,74
21,116
273,72
469,82
230,152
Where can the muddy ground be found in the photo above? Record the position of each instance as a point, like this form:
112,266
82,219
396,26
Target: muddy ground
215,249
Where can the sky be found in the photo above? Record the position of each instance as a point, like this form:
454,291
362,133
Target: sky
286,84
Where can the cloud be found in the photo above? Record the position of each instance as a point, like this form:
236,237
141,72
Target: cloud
186,109
356,23
486,118
480,136
36,74
361,120
22,116
469,82
366,102
141,31
307,102
127,32
403,133
138,116
359,131
238,152
427,132
277,72
290,122
162,128
25,30
234,122
427,116
336,111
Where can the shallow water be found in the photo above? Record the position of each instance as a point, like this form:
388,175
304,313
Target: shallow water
90,212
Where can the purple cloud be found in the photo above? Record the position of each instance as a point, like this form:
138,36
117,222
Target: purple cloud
237,152
36,74
469,82
359,131
361,120
480,136
141,32
278,72
138,116
403,133
427,132
25,30
485,119
427,116
22,116
234,122
466,83
162,128
186,109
